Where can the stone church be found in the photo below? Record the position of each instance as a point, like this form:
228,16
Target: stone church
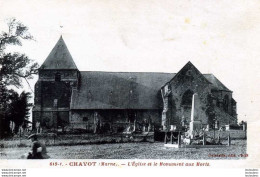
66,98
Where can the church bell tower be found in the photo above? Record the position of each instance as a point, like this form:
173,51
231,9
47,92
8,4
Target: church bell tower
58,75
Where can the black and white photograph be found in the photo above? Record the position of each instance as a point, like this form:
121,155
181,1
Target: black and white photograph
123,80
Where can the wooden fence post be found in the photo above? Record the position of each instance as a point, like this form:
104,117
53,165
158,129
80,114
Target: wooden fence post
229,140
179,140
204,139
171,138
165,138
219,138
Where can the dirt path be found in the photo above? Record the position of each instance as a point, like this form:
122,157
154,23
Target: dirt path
131,151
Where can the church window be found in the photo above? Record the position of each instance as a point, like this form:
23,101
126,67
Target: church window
187,98
57,77
225,103
85,119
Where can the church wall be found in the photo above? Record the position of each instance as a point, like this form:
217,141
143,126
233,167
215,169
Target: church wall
188,79
229,104
220,96
116,119
63,117
56,90
178,112
82,119
50,74
36,117
50,119
77,116
224,118
234,108
47,89
52,96
37,95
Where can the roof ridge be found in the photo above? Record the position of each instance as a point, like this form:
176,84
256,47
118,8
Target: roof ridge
127,72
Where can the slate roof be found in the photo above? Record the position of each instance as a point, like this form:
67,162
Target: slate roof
59,58
217,85
119,90
124,90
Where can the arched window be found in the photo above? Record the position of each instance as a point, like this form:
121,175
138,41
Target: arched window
226,103
57,77
187,98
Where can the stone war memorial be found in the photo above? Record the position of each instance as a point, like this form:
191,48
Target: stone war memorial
95,102
195,123
196,135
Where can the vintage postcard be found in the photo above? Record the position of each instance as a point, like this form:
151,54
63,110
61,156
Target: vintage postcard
105,86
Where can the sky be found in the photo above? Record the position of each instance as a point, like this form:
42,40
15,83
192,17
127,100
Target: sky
219,37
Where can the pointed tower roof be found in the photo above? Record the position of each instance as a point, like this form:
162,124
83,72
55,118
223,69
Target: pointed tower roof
59,58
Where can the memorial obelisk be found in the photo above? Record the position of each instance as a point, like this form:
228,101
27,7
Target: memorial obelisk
195,123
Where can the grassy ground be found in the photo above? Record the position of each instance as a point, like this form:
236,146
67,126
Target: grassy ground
90,138
131,151
72,140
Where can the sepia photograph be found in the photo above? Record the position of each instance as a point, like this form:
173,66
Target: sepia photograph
174,81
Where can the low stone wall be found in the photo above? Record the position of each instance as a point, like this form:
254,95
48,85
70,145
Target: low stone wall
234,134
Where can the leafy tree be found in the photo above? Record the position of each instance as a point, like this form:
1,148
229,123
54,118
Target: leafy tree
14,67
18,108
4,100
